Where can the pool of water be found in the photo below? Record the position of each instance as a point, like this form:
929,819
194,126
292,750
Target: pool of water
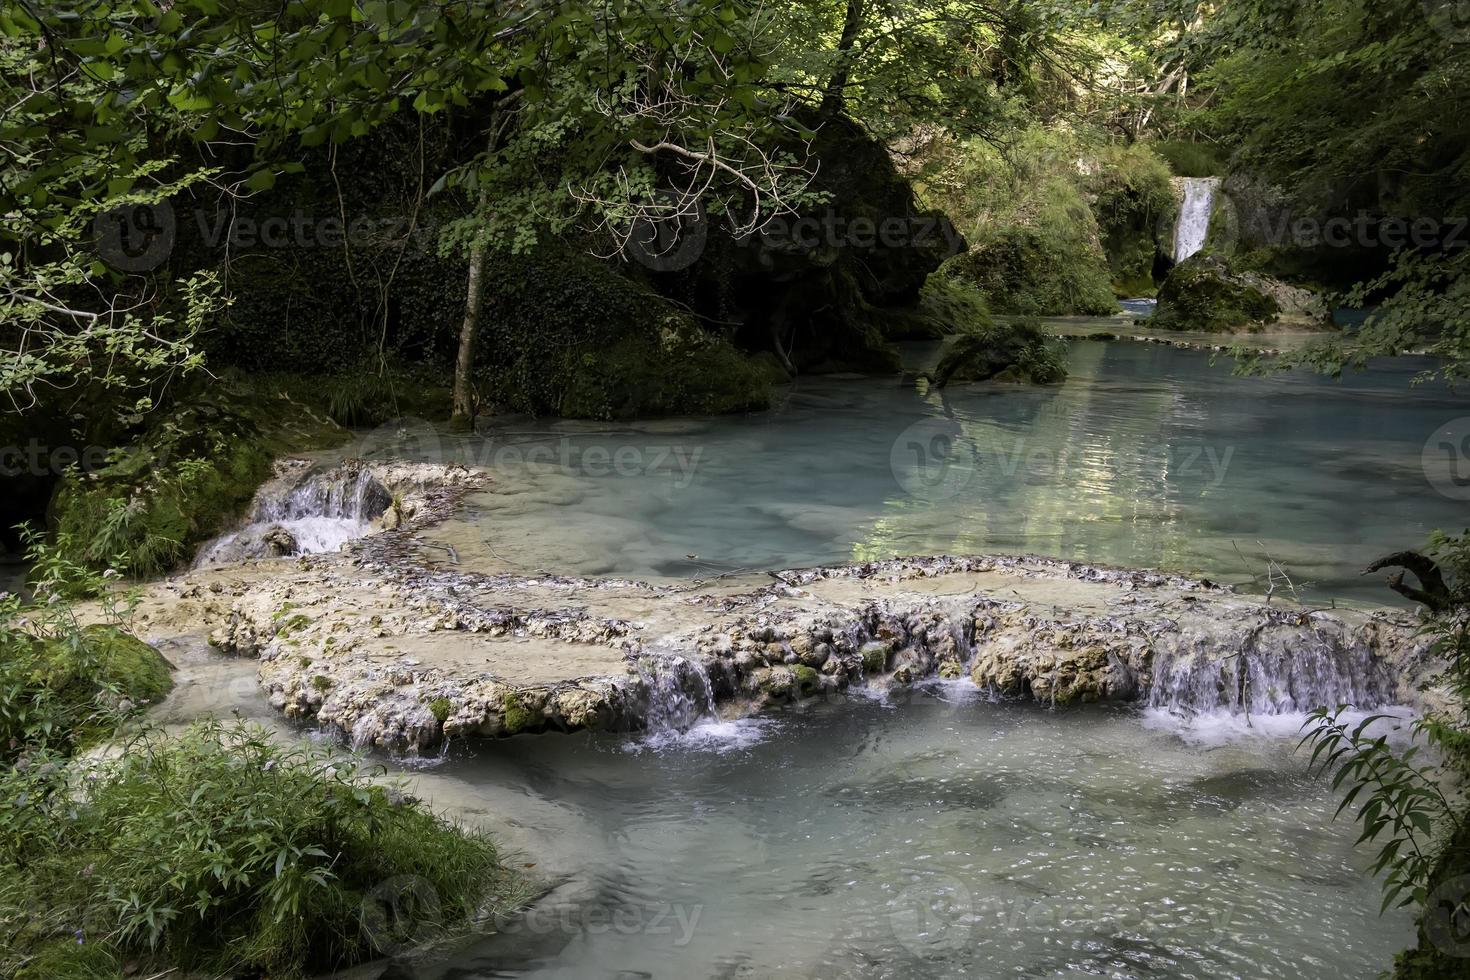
944,837
1147,456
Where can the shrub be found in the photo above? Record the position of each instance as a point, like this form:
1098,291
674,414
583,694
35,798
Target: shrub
224,851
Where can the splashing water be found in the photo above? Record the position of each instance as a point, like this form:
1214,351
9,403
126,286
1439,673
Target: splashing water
312,514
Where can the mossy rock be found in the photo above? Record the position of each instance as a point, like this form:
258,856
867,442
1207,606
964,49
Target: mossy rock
515,717
875,657
568,335
1191,159
87,681
808,681
1028,272
1019,351
1201,293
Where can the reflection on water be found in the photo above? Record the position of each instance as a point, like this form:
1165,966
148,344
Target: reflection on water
1146,456
934,839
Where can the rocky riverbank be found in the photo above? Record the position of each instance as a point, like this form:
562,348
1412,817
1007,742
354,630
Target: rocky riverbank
394,644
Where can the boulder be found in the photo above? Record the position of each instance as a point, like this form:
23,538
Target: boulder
1204,293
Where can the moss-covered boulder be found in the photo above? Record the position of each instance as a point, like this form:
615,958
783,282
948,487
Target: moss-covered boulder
1018,351
566,334
77,686
1204,293
1031,272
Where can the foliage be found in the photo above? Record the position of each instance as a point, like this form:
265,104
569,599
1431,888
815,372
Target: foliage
182,480
224,850
1414,807
1188,159
1028,211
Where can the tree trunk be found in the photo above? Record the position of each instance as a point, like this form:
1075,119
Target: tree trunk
834,97
464,406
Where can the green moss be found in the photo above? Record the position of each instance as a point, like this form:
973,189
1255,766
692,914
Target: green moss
1018,351
266,872
191,473
440,709
322,683
1130,192
680,373
1191,159
875,657
808,681
514,716
1200,294
291,624
80,686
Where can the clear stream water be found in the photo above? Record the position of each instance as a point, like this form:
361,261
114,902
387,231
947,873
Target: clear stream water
1148,456
944,837
949,836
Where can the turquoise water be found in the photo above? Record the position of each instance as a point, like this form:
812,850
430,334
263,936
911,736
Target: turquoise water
947,837
1147,456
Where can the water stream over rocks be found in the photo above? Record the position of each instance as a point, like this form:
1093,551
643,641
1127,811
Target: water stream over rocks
947,766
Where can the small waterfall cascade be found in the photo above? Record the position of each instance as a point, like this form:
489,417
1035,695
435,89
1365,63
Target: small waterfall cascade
299,514
348,493
1271,677
1194,215
679,692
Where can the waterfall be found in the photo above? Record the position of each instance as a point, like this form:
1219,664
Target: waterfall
679,692
1271,675
1194,216
299,514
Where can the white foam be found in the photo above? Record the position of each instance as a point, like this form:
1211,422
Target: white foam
1213,728
713,735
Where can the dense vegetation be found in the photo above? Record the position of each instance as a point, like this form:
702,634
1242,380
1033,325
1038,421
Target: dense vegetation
231,229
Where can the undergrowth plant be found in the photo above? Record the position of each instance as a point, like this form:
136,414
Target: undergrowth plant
1411,803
